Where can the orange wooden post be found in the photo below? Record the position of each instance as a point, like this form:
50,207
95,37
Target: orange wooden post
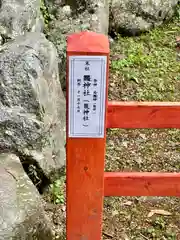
87,81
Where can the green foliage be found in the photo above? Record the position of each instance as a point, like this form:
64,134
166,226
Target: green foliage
150,64
157,226
48,17
57,191
177,12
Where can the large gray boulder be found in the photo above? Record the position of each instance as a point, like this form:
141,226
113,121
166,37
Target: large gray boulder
22,216
95,13
135,16
74,16
32,116
18,17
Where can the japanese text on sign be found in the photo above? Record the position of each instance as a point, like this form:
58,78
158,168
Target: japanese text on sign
87,93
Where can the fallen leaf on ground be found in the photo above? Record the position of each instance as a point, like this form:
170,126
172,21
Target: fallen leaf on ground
108,234
124,237
159,212
118,57
114,213
63,208
128,203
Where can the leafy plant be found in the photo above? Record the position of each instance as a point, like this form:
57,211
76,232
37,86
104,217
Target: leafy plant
177,11
47,16
57,191
159,223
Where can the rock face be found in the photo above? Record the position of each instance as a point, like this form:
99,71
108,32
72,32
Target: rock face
32,121
75,16
32,116
21,213
18,17
135,16
95,13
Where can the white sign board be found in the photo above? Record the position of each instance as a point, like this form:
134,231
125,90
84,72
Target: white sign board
87,96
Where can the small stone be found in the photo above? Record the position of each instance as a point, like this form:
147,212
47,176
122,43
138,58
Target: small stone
67,10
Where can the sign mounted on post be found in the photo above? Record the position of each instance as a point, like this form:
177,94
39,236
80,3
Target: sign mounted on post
87,82
87,96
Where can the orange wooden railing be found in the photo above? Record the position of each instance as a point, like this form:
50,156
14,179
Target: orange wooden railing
87,183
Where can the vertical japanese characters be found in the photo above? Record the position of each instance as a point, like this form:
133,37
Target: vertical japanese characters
87,94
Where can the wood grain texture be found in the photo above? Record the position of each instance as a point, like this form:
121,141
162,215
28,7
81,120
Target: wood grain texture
143,115
141,184
85,158
85,188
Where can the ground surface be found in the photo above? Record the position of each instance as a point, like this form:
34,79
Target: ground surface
142,68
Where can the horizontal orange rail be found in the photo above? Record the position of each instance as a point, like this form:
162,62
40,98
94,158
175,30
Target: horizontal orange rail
143,115
141,184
